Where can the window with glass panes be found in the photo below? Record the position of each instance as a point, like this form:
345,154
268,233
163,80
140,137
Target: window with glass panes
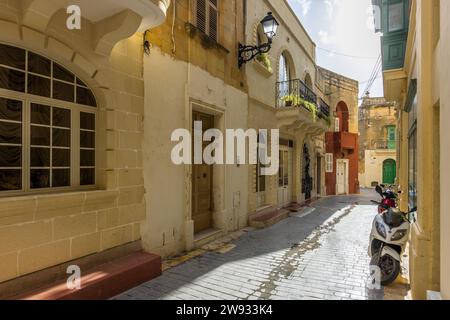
47,124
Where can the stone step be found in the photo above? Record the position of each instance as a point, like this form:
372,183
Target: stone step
105,281
295,207
268,217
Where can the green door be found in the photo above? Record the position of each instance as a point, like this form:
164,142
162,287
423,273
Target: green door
392,138
389,171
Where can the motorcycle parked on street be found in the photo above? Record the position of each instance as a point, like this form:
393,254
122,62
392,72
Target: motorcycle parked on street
389,198
388,239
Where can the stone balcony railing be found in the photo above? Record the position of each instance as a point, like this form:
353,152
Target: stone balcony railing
383,145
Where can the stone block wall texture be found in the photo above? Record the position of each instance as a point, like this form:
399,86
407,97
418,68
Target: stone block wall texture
43,230
190,45
375,115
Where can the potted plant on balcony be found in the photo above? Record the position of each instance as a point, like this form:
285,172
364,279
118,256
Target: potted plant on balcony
311,107
291,100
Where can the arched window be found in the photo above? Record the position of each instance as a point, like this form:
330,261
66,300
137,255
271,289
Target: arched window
343,115
284,69
284,76
47,124
308,81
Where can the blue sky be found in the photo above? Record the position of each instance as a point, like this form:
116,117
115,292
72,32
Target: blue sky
340,28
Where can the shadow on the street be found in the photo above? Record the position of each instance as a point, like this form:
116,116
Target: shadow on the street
281,237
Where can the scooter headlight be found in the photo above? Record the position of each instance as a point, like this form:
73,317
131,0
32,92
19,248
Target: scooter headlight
381,229
399,235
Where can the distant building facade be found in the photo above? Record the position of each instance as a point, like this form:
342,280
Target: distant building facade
341,159
377,142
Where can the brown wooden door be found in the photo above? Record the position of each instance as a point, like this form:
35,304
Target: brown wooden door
202,178
319,175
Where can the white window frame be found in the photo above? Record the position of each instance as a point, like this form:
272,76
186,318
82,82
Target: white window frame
75,109
337,125
75,150
208,5
329,163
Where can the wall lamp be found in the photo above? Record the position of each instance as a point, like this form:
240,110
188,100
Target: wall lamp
248,53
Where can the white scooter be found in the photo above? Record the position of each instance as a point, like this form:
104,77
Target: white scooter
388,239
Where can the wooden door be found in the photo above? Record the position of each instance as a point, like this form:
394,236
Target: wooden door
319,176
284,178
202,181
340,171
389,171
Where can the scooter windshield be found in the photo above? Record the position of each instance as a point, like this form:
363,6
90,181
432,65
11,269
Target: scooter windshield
393,218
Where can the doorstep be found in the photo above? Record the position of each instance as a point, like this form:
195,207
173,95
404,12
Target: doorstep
105,281
295,207
207,236
268,217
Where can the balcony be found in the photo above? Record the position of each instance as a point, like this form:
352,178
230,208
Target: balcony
324,110
111,20
393,22
383,145
342,141
294,93
298,107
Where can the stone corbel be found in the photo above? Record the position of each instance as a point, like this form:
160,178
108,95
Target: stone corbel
37,14
111,30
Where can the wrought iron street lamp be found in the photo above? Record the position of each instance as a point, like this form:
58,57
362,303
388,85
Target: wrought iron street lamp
248,53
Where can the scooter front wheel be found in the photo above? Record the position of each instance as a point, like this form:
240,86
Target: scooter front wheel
389,268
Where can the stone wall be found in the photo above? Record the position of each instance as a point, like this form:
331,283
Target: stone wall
184,74
38,231
375,116
190,45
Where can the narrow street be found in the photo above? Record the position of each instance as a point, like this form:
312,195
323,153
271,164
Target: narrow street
319,254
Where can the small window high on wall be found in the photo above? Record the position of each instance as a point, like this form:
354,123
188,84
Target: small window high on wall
207,17
47,125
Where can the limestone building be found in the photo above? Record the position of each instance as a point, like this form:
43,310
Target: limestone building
71,126
192,74
415,44
377,142
290,92
341,138
87,123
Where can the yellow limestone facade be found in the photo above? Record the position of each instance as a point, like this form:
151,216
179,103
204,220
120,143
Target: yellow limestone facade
292,60
294,44
423,93
140,197
190,72
375,117
40,230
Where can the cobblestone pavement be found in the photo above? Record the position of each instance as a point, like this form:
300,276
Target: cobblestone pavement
321,255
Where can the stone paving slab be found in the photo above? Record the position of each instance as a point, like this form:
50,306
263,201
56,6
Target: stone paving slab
322,255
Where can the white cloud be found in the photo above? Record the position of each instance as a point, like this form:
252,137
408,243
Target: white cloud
331,6
340,28
325,37
305,5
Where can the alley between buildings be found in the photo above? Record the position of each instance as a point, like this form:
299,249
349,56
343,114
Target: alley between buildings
320,253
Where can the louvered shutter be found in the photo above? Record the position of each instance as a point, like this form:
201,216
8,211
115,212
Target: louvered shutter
207,17
213,19
201,15
329,163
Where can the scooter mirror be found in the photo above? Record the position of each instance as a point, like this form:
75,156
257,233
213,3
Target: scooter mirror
379,191
412,215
